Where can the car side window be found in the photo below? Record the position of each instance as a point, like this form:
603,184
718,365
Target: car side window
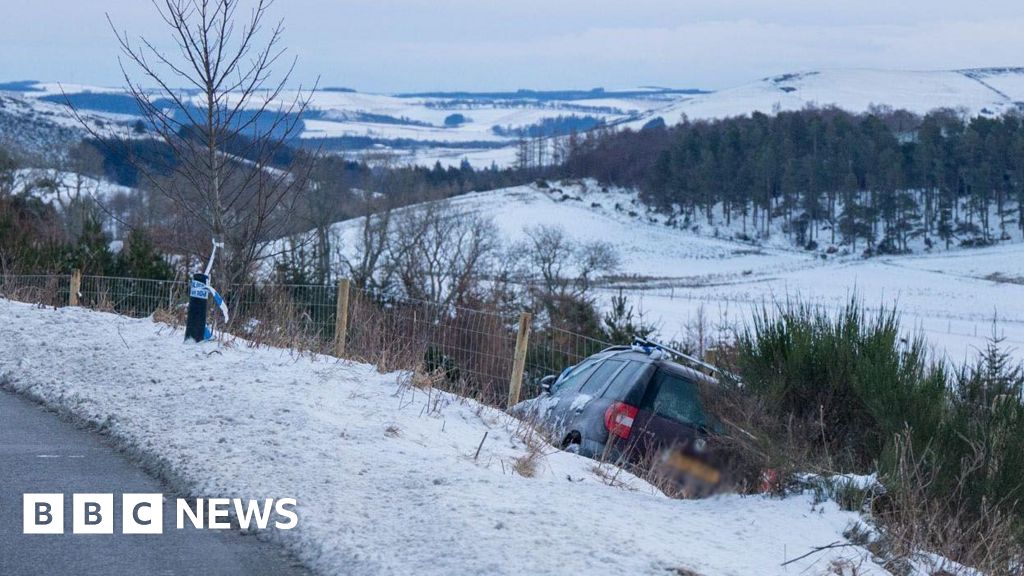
677,399
577,375
621,386
601,377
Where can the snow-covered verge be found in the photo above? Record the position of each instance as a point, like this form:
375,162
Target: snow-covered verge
386,475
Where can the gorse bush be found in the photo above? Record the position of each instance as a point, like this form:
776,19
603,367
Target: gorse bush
851,392
853,377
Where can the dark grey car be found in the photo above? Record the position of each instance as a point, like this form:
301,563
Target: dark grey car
631,404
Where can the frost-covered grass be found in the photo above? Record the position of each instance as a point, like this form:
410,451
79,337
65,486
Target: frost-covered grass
385,474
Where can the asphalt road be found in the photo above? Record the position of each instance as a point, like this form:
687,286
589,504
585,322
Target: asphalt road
40,453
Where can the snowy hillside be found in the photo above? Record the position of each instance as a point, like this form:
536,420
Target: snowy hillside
978,92
483,128
59,187
650,249
419,128
677,274
384,474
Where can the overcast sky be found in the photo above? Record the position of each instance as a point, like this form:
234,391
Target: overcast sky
415,45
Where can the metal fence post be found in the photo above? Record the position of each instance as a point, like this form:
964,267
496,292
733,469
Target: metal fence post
341,318
76,287
519,359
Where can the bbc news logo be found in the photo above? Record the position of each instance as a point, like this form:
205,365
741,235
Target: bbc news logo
144,513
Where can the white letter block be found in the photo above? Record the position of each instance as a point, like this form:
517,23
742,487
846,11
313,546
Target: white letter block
142,514
92,514
43,514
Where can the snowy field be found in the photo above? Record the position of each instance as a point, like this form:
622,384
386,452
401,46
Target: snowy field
385,475
388,118
675,274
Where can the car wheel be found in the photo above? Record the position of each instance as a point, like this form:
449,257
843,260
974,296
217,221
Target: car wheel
571,443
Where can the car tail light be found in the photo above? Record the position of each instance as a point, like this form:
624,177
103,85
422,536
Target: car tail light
618,419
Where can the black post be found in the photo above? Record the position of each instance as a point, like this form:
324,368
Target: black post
195,326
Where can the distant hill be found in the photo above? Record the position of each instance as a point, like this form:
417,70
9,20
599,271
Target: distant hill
981,91
414,126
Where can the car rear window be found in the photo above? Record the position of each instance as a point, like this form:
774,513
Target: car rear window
677,399
600,379
622,385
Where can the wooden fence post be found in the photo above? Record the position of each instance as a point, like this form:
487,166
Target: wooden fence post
515,385
75,288
341,318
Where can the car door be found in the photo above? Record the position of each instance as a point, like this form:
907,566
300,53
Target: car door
576,405
557,408
670,415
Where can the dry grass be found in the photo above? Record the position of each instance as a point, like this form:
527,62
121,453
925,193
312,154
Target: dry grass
913,521
526,465
272,317
171,317
424,380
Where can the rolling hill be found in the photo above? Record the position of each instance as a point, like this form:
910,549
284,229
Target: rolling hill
484,127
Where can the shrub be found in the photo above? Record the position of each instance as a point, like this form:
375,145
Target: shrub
985,428
849,393
849,381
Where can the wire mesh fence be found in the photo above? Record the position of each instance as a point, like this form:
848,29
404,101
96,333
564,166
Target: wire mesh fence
553,349
135,297
465,350
301,316
469,351
36,289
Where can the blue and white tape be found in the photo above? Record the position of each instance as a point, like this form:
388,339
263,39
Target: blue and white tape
220,302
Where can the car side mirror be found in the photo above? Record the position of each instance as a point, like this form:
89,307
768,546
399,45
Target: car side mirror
546,383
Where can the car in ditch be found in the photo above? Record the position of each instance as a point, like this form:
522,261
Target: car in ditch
638,406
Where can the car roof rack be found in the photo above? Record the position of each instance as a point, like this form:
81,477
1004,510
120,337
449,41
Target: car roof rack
648,345
615,348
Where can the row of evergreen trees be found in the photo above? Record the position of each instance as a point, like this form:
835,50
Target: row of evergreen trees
883,178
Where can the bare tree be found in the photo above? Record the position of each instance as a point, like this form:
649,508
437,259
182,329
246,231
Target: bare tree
367,261
562,266
439,254
560,274
223,129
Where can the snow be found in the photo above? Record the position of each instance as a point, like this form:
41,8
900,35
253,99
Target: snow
679,274
955,313
580,402
844,481
59,187
977,91
384,474
588,213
